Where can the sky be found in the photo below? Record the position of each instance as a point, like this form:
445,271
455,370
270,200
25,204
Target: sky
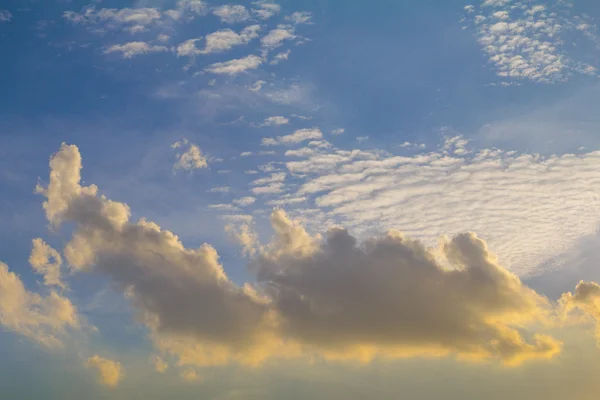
299,199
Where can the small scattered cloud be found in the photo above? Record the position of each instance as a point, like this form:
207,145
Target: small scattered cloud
279,57
132,49
275,121
5,16
338,131
109,372
275,37
265,10
298,136
190,159
46,261
190,375
300,17
237,66
232,13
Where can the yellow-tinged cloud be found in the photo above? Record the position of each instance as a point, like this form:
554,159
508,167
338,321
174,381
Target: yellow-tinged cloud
335,297
109,372
43,319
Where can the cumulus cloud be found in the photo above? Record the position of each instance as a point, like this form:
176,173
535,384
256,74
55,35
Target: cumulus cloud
275,37
298,136
45,320
525,42
184,296
266,10
244,201
279,57
276,120
130,19
218,41
5,16
232,13
234,67
46,261
391,296
132,49
300,17
336,297
192,158
109,372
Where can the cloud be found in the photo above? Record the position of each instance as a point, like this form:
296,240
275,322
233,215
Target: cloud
244,201
132,49
220,189
218,41
43,319
298,136
159,364
338,131
488,192
334,297
526,42
5,16
280,57
190,375
300,17
390,295
266,10
190,159
275,121
232,13
109,372
183,295
130,19
234,67
275,37
47,262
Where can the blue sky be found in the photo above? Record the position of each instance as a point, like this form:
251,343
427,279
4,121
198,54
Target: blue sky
256,132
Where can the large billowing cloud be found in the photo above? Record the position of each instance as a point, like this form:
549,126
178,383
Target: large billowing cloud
336,297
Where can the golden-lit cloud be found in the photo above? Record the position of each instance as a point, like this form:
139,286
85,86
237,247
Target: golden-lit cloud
334,297
109,372
45,319
47,262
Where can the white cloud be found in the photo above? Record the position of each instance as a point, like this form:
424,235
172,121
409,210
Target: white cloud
276,36
192,158
279,57
266,10
45,320
132,49
298,136
244,201
526,42
234,67
489,192
114,19
220,189
5,16
275,121
218,41
257,86
109,372
232,13
163,38
300,17
338,131
47,262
